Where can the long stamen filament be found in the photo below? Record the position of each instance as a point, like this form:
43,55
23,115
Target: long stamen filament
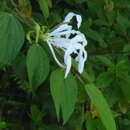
54,55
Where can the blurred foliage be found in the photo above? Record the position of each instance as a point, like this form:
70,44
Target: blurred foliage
27,91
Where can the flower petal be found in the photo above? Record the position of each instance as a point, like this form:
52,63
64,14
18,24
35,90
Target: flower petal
82,61
61,28
81,65
53,53
80,38
71,41
71,15
62,43
67,60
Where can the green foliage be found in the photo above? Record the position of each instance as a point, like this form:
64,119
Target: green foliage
37,66
11,38
3,124
44,7
36,117
64,93
34,95
101,106
104,79
92,124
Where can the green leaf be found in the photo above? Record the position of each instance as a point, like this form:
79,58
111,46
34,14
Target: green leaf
44,7
37,65
36,114
89,124
79,1
96,36
123,22
105,60
99,124
11,38
101,106
122,3
96,7
122,68
126,48
104,79
125,87
87,24
122,74
93,124
3,124
64,93
80,121
101,22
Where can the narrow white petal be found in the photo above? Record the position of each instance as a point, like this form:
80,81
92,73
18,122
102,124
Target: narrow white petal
81,60
68,65
61,38
83,39
75,45
71,15
77,38
80,38
61,28
85,55
81,65
79,20
62,43
67,60
64,33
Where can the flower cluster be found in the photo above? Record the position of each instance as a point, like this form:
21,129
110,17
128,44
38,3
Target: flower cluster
71,41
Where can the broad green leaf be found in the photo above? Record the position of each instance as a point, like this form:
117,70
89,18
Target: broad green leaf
44,7
11,38
37,65
101,106
64,93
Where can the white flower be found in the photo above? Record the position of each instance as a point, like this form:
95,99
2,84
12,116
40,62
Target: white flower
71,41
71,15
